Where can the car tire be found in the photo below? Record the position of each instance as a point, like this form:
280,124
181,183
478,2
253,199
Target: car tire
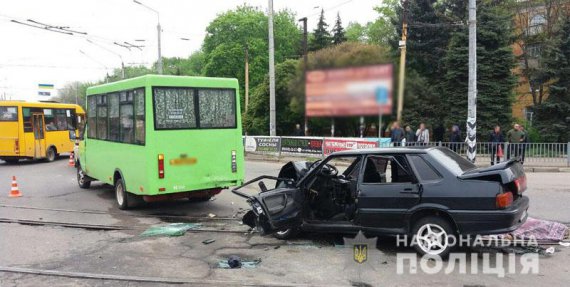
286,233
50,154
82,179
431,236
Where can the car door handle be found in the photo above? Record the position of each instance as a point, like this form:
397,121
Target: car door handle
409,191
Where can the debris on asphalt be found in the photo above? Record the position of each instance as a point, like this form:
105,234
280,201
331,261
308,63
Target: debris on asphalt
211,215
564,243
213,198
173,229
277,247
550,250
236,262
208,241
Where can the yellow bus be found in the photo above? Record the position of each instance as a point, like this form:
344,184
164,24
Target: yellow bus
42,130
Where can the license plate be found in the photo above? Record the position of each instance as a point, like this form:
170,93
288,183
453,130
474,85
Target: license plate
183,161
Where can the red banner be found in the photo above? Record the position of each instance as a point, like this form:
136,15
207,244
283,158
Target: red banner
334,145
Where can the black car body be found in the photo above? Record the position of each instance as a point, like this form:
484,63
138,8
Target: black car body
390,191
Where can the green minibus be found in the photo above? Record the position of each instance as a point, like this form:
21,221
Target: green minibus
160,137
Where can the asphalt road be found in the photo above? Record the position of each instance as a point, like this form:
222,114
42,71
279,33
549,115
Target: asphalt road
51,194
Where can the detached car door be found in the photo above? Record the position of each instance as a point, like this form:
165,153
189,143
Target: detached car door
386,191
273,210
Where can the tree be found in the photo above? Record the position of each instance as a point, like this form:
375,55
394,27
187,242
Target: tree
495,60
338,31
321,36
430,24
256,121
72,91
355,32
553,116
229,34
381,30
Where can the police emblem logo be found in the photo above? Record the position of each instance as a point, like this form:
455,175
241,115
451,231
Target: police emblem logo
360,253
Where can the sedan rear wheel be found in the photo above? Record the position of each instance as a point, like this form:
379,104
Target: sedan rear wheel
432,236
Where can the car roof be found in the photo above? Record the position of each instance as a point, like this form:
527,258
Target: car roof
388,150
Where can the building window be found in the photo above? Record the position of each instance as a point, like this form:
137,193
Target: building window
536,24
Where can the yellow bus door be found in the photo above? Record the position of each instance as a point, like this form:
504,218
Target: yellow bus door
39,136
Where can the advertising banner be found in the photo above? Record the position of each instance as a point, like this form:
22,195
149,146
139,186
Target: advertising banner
302,145
262,144
354,91
338,144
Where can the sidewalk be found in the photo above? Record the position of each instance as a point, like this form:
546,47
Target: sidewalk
530,166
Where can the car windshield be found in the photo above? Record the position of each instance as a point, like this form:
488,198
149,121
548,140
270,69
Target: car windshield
452,161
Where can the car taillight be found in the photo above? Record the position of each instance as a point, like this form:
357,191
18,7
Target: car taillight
17,146
160,166
234,163
520,183
504,200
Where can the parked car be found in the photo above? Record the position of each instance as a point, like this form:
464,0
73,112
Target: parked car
428,193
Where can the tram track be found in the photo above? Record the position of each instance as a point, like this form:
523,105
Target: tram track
151,215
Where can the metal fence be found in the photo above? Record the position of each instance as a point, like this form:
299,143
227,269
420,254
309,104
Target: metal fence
535,154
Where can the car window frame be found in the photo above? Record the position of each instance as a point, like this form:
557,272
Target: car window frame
306,180
392,156
415,170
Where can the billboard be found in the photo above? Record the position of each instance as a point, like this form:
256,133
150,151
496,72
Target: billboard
355,91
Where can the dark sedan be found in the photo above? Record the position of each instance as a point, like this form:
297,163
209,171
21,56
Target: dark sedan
429,194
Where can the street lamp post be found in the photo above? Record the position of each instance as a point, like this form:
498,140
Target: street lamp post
159,63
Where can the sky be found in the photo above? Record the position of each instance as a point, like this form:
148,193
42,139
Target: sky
31,56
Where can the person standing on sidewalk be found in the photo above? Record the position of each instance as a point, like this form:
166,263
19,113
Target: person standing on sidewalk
496,139
410,136
455,138
422,135
524,144
396,134
515,137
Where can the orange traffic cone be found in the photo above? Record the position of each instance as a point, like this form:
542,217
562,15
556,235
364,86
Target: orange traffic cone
71,161
14,191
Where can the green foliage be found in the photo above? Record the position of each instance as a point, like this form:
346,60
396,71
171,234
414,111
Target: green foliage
231,32
338,31
553,116
256,120
495,81
355,32
321,36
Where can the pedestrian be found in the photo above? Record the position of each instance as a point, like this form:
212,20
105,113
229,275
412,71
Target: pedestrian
410,136
298,132
372,131
524,144
496,139
455,138
422,135
396,134
515,137
438,133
